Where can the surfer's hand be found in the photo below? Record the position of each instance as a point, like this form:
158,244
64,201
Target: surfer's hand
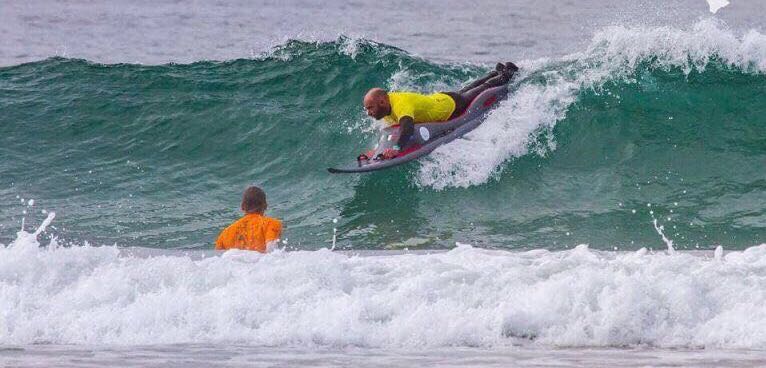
366,156
390,153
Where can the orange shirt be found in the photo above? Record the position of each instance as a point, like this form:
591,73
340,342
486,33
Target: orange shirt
251,232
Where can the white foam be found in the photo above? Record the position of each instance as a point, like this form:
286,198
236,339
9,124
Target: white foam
716,5
507,132
464,297
537,105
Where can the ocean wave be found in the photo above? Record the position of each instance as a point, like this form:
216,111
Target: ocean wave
464,297
547,88
157,155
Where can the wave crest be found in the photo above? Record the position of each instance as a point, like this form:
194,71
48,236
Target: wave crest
546,89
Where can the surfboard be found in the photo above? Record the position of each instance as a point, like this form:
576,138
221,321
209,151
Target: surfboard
427,136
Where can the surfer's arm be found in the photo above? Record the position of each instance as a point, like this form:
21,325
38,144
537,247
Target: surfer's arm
407,127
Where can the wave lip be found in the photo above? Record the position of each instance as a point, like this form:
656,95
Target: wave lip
546,90
464,297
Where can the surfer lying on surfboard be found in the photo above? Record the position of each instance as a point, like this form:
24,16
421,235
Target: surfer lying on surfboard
407,109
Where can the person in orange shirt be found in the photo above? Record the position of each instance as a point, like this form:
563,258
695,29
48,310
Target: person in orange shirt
254,231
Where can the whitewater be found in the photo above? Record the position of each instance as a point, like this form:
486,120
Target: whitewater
463,297
323,303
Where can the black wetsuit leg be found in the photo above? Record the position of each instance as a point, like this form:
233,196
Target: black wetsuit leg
464,97
495,81
478,82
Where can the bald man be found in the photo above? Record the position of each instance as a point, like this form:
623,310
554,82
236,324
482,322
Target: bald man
408,109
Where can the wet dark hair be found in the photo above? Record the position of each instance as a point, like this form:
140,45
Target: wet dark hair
254,200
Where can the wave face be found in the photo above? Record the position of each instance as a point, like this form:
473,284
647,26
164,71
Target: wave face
465,297
646,124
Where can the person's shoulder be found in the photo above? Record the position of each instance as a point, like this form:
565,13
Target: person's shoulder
403,94
273,221
232,226
226,236
239,221
404,98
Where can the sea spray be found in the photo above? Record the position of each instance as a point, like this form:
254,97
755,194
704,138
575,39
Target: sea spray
334,232
660,231
716,5
26,239
463,297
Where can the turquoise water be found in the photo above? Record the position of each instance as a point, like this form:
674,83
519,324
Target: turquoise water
562,231
157,156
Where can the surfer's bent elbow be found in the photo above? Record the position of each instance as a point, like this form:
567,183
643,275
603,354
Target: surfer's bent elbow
407,125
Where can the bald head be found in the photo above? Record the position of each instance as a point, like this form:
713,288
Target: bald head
375,94
376,103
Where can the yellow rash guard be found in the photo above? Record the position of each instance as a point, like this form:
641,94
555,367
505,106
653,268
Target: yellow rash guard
421,108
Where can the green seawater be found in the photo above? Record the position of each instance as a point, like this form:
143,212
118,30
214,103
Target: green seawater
157,156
